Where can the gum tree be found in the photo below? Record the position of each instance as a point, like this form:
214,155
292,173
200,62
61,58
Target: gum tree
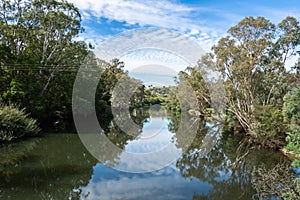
41,56
252,59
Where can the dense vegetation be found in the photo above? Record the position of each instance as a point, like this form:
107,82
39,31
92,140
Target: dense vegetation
15,123
262,97
40,57
291,113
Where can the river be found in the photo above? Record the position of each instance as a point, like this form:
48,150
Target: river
59,166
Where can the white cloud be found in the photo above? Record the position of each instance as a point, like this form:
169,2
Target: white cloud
163,184
154,13
205,25
143,58
91,36
181,17
151,46
160,13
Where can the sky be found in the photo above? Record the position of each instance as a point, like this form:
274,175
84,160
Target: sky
203,21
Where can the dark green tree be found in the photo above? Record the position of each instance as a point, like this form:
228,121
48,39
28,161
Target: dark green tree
41,57
252,59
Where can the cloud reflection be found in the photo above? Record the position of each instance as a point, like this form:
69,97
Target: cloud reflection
167,183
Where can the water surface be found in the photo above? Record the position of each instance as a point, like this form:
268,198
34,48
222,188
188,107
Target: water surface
58,166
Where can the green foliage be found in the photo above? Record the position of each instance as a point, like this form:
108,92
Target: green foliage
252,59
114,76
291,107
40,58
172,103
289,196
291,111
15,123
156,95
192,77
296,163
293,140
269,127
152,98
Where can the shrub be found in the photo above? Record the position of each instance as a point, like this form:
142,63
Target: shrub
269,126
291,111
15,123
291,107
293,140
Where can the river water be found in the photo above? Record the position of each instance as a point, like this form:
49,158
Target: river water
59,166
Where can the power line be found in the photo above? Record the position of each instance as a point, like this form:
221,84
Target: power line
41,65
68,67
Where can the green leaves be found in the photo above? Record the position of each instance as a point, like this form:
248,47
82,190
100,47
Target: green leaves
15,123
39,57
252,29
252,59
291,108
291,111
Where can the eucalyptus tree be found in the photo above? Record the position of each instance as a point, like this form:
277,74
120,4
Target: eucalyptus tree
252,59
41,55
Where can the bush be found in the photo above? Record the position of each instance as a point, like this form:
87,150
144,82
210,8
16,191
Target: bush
15,123
291,108
269,126
293,140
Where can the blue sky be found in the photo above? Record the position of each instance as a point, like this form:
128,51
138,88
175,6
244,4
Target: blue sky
205,21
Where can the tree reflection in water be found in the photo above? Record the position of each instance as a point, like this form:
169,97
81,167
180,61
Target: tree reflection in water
228,167
59,166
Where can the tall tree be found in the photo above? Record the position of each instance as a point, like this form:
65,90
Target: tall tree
41,56
252,59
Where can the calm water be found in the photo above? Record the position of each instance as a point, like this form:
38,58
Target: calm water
58,166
